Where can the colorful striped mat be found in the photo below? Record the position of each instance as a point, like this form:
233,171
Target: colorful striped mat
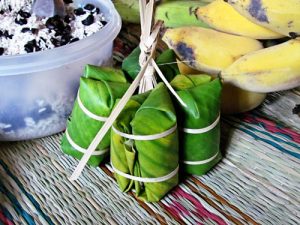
257,182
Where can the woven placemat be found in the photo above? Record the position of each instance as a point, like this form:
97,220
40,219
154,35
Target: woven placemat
257,182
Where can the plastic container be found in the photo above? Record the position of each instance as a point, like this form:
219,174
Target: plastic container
37,90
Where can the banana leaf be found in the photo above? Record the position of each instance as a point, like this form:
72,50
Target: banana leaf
146,114
99,89
199,152
131,63
166,62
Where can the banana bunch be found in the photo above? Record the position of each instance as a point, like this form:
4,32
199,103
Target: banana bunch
234,47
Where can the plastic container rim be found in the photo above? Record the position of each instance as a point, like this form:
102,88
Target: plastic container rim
65,54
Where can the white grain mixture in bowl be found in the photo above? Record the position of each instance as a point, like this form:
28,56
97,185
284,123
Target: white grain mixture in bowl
43,59
22,32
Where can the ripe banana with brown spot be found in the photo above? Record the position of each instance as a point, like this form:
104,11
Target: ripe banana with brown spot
282,16
267,70
223,17
208,50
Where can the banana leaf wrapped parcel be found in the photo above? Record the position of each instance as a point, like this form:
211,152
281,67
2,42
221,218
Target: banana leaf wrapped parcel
144,145
99,89
199,124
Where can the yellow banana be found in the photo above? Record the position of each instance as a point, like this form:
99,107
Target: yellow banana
222,16
208,50
186,70
271,69
282,16
234,100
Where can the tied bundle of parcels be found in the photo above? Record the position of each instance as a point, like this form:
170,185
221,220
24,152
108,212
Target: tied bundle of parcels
154,137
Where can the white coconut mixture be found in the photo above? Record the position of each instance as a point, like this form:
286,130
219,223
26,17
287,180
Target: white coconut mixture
20,37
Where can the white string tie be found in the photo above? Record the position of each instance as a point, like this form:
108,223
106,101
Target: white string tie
202,130
167,83
145,179
89,113
201,162
145,137
83,150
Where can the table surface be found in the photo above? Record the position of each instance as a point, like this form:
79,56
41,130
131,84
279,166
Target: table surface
257,182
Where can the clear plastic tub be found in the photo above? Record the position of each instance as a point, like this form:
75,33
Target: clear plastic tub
37,90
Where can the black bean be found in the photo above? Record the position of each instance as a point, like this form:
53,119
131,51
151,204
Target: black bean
66,30
9,8
32,42
89,7
24,14
57,33
7,35
1,33
103,22
49,24
59,27
55,22
21,21
68,1
88,21
97,10
37,48
25,29
67,19
65,39
74,39
34,30
1,12
56,17
55,42
28,47
1,51
79,11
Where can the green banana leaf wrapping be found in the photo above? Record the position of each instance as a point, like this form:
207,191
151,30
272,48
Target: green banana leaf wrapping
99,89
166,62
146,114
199,152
